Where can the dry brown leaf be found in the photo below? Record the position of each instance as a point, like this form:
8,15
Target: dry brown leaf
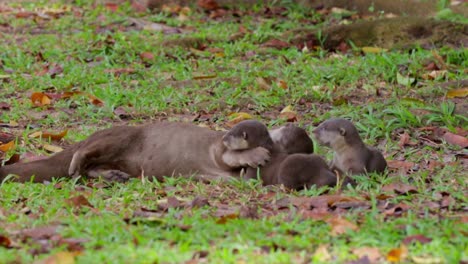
208,4
147,56
5,241
372,253
7,146
40,99
420,238
340,225
95,101
462,92
400,164
399,188
223,219
397,254
276,43
289,114
282,84
79,201
452,138
263,83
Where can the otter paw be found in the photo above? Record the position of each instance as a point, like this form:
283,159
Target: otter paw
255,157
110,175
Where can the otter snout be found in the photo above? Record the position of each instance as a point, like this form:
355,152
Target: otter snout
235,143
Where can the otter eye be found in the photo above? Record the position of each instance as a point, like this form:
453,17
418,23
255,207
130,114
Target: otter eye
244,135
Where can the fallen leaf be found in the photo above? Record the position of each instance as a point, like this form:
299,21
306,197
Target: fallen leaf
204,77
42,232
235,118
208,5
462,92
282,84
223,219
397,254
426,260
400,164
40,99
321,254
4,106
199,202
7,146
147,56
47,135
52,148
95,101
419,238
288,113
370,50
340,225
372,253
399,188
78,201
404,80
276,43
452,138
120,71
63,257
111,6
5,241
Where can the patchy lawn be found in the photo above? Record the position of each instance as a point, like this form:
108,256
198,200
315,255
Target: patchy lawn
69,70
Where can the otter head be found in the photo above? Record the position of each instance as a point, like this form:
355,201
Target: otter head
292,139
337,132
248,134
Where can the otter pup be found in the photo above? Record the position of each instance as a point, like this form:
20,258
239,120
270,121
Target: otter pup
160,149
292,139
352,156
294,171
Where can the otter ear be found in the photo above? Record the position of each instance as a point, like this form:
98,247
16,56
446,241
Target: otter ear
342,131
244,135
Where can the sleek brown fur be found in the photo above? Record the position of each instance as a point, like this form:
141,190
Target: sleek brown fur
292,139
155,150
352,156
294,171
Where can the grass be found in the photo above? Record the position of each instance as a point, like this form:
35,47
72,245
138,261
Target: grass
128,223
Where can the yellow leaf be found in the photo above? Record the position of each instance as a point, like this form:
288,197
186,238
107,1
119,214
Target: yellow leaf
60,258
7,146
52,148
462,92
13,124
288,109
367,50
235,118
241,115
46,135
397,254
321,254
204,77
40,99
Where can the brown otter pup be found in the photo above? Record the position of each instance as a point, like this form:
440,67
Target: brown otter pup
352,156
292,139
156,150
294,171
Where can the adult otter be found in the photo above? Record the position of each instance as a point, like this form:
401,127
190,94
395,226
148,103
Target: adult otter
294,171
352,156
160,149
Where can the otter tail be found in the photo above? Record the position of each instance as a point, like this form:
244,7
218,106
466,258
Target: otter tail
55,166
